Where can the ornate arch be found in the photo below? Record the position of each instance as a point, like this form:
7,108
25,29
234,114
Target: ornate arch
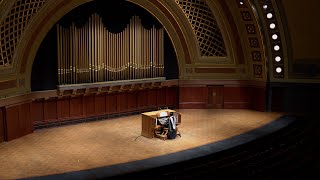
54,10
270,25
45,13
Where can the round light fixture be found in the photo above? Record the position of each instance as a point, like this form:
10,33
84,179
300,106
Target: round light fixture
272,26
274,36
278,70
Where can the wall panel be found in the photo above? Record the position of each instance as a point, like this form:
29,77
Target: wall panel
172,96
37,111
161,97
122,105
142,100
215,97
132,101
12,123
100,104
18,121
76,107
152,98
25,121
222,96
2,124
63,108
237,97
89,105
50,110
193,97
111,103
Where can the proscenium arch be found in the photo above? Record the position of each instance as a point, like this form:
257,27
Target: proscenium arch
52,12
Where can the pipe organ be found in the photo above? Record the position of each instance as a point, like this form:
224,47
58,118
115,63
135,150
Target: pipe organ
93,54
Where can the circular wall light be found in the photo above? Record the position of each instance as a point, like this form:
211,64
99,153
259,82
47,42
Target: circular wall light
278,70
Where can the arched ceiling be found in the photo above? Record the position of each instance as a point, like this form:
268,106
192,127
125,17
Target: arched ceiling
239,22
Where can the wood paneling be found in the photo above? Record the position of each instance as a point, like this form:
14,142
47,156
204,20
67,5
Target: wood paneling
142,99
111,103
89,105
161,97
64,108
12,123
220,96
26,124
193,97
100,104
172,96
76,106
215,97
237,97
152,97
37,111
122,105
132,101
18,121
50,110
2,124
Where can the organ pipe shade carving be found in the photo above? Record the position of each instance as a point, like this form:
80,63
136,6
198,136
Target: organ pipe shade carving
13,26
204,26
93,54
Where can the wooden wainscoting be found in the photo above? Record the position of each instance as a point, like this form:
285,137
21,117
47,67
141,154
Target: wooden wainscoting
237,97
69,108
215,97
1,125
222,94
18,121
194,97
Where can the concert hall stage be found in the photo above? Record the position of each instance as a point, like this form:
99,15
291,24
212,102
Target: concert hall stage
111,147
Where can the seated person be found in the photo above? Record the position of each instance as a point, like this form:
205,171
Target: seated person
168,123
172,129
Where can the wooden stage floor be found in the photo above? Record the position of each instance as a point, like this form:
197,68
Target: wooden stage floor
114,146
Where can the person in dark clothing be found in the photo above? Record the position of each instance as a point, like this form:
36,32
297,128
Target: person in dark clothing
172,129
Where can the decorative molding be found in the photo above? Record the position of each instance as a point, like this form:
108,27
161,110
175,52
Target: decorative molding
270,23
214,70
204,26
112,87
13,26
254,39
8,84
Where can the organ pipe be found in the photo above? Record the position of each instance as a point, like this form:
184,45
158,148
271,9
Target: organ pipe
92,53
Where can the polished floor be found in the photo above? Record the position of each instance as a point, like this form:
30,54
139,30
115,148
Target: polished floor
116,143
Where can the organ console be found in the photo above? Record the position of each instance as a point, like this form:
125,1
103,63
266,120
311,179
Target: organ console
149,121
